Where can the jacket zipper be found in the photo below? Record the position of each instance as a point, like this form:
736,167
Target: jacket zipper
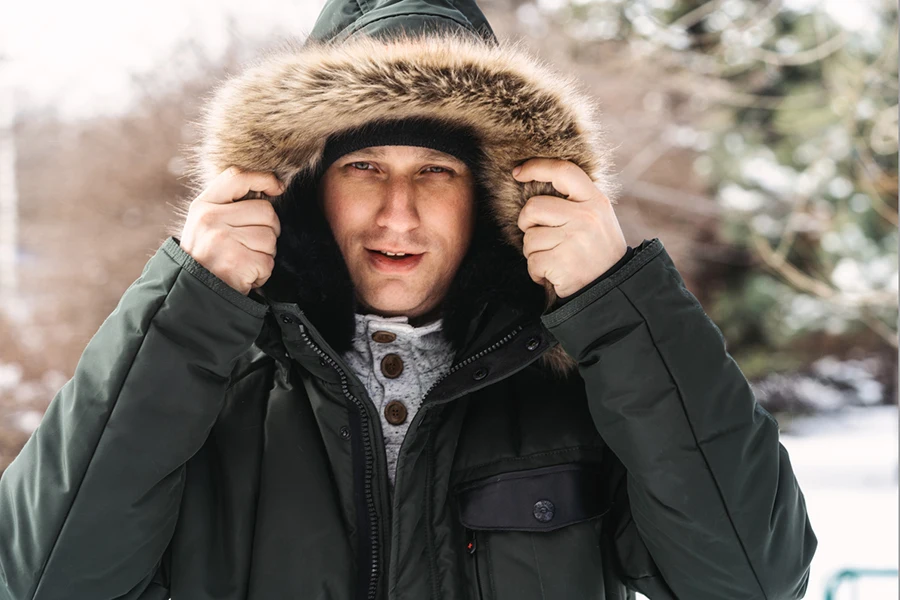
471,548
370,499
461,364
472,358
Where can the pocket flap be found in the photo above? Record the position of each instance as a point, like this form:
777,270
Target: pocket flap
539,499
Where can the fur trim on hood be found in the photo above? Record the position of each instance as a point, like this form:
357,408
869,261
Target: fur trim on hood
277,115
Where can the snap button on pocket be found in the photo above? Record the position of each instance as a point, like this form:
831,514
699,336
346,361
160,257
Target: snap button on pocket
543,510
520,500
533,343
286,319
480,374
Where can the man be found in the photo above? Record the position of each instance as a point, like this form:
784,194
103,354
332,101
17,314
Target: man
523,407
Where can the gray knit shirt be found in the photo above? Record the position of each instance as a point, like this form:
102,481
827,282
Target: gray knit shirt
426,356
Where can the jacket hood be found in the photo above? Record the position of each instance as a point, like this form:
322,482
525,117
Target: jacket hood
396,60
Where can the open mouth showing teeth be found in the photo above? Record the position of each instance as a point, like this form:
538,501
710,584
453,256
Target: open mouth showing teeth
394,255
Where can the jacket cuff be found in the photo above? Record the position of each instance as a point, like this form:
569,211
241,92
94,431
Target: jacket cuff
625,268
629,252
172,247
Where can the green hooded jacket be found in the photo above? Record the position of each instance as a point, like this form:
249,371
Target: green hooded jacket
215,446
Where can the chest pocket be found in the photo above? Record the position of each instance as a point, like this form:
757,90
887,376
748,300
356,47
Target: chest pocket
535,533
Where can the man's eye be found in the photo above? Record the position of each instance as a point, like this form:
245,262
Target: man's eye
442,169
360,163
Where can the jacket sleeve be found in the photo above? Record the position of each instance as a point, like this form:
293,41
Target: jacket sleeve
89,505
629,252
709,507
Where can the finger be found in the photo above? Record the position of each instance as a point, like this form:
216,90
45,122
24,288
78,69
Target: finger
566,177
258,238
549,211
538,238
251,195
260,282
254,185
539,268
262,279
233,184
252,212
256,265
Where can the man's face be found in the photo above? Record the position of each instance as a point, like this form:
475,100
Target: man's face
400,199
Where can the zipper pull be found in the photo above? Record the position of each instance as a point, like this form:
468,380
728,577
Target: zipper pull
471,545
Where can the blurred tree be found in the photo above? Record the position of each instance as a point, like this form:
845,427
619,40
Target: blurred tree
794,125
96,196
762,137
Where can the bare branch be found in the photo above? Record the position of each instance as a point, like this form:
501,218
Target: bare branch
802,281
877,325
683,201
691,18
804,57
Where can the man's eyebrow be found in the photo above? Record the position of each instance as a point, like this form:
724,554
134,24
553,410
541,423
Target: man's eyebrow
421,152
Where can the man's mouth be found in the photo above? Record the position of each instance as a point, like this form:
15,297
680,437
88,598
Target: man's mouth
394,261
397,254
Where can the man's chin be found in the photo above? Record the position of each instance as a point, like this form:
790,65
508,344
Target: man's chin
388,307
393,307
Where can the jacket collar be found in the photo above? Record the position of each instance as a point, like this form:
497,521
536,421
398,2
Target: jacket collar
277,115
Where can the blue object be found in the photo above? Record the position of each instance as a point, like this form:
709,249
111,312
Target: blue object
852,575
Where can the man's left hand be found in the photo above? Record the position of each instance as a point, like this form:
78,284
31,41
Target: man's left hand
568,241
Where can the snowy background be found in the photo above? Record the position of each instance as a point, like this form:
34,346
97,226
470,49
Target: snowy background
81,59
846,464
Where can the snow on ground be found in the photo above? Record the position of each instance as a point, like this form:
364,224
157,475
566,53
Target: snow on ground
846,464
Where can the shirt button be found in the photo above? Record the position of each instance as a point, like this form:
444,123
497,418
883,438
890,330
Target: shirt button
384,337
391,366
395,412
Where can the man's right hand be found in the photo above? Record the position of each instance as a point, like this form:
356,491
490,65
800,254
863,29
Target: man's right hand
235,241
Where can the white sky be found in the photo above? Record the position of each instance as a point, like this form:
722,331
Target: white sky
78,55
855,15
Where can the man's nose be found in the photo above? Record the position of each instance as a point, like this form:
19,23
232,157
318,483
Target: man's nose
398,208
